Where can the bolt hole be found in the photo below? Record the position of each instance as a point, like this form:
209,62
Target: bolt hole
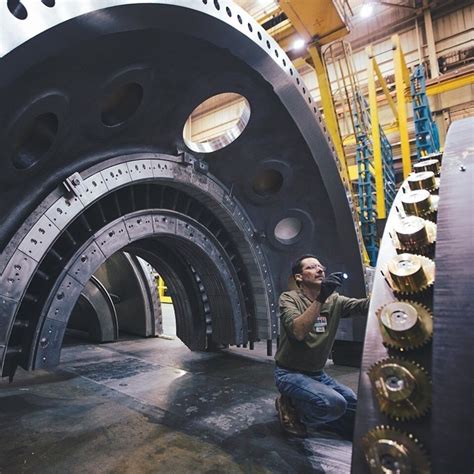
121,104
267,182
35,140
17,9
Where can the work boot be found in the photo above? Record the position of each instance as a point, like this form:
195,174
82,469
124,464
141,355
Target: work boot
289,419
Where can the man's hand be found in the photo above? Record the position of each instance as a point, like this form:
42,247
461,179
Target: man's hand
328,286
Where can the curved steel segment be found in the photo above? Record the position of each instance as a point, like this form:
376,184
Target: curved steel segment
61,247
196,245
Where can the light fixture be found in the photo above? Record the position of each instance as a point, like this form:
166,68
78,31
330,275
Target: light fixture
366,9
298,44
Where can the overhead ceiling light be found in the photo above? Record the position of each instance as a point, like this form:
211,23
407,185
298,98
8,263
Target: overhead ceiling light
366,10
298,44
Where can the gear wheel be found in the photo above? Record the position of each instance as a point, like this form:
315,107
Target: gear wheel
415,234
420,203
405,325
390,451
410,274
402,388
428,165
423,180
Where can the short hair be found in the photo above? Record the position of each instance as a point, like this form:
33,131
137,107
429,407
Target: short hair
296,267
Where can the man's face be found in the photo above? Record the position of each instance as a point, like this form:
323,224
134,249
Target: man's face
312,273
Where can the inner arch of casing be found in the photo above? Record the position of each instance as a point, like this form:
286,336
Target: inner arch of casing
207,298
100,205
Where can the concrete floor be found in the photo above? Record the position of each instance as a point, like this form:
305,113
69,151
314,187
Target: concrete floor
151,405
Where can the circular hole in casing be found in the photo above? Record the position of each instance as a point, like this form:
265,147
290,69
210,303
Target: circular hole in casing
229,113
288,229
121,103
17,9
267,182
35,140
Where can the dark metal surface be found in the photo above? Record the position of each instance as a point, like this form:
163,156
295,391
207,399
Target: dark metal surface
64,72
134,291
94,313
453,355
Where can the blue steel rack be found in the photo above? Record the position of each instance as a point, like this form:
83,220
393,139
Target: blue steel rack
366,177
426,130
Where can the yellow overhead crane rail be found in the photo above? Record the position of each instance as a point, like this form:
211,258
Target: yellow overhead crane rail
449,82
319,23
321,20
402,87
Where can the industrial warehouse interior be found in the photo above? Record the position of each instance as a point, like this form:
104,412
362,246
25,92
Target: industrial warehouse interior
236,236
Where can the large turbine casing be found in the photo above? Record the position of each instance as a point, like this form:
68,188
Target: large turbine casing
64,162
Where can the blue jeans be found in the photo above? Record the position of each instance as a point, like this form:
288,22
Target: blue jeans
320,401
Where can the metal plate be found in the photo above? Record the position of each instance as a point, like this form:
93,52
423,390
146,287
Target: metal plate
64,210
39,238
113,238
87,263
140,226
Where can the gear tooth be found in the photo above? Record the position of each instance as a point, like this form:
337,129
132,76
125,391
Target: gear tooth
409,400
413,451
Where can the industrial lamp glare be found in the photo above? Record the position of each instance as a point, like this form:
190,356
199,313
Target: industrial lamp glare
298,44
366,10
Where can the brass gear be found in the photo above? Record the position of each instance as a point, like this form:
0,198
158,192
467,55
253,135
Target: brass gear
420,203
405,325
390,451
428,165
402,388
423,180
414,234
408,273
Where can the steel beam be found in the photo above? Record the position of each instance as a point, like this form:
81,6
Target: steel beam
376,140
402,82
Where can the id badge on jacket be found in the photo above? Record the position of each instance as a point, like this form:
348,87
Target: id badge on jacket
320,324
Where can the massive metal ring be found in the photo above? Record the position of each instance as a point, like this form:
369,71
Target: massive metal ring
94,102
